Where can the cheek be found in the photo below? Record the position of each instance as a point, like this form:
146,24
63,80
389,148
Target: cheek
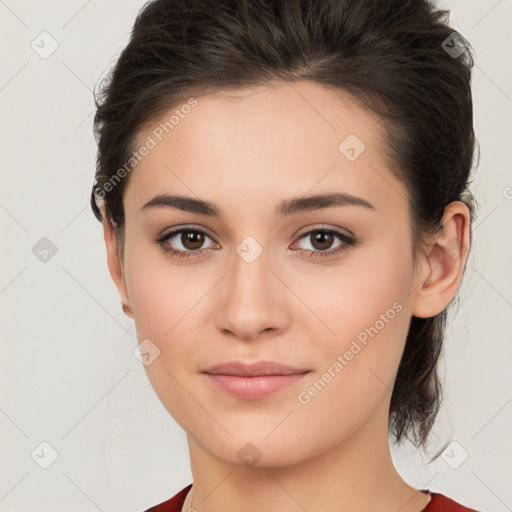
360,362
158,290
368,310
362,299
166,304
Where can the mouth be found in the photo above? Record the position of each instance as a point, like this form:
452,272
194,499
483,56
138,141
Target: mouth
254,381
252,388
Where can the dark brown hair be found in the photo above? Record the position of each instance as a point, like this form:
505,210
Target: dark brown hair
398,58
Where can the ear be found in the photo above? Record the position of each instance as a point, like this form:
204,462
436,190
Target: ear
444,264
114,261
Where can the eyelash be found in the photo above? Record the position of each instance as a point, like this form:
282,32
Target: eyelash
348,242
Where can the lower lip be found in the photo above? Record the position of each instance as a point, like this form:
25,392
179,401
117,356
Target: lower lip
254,387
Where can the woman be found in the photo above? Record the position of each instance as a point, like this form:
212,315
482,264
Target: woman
283,188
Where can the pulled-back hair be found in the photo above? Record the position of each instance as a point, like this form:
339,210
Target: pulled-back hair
398,58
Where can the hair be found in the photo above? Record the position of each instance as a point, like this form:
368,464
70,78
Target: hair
391,56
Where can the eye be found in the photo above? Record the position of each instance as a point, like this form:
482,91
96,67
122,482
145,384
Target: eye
191,239
323,238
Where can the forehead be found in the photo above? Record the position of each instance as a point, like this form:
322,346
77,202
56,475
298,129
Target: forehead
264,144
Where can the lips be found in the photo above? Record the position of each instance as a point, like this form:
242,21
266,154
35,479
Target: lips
251,370
254,381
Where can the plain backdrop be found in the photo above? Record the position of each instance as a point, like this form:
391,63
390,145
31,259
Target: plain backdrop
81,427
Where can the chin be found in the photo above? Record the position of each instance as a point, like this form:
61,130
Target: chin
253,449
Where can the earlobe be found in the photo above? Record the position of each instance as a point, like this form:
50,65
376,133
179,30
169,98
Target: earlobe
114,263
445,261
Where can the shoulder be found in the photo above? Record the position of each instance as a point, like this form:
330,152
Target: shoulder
173,504
441,503
438,503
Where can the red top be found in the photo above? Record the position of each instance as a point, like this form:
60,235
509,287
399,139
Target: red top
437,503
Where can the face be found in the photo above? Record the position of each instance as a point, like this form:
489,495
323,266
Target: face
324,290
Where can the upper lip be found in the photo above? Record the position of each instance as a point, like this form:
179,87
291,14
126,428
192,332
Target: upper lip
251,370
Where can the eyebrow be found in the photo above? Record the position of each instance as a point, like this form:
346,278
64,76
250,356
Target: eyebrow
287,207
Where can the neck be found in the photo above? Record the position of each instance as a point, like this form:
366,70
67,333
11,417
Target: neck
356,475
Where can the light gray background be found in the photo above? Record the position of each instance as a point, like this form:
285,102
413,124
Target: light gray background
68,374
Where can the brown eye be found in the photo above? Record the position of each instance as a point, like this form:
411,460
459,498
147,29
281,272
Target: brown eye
184,242
192,240
321,241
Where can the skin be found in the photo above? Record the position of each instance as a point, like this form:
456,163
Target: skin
246,153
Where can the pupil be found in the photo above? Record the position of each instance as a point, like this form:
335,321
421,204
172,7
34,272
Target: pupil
189,239
318,238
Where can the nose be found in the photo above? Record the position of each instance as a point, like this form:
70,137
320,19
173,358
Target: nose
252,299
